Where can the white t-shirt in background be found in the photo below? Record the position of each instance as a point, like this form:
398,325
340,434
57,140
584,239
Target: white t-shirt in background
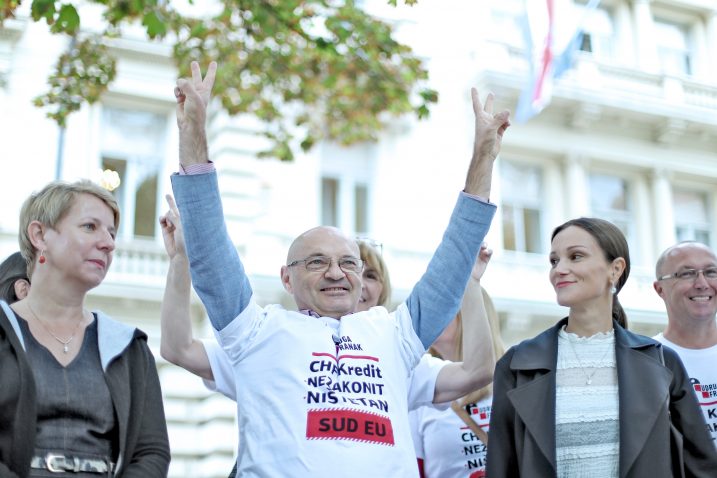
448,448
701,366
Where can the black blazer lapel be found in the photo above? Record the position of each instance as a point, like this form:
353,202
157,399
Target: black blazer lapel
644,386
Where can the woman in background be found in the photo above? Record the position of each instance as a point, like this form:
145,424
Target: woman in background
14,283
446,446
80,394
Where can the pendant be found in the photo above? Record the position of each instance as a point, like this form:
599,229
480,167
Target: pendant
590,381
65,348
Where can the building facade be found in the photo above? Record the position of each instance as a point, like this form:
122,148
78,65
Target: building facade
630,135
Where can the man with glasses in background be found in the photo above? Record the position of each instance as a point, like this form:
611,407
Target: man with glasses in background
687,282
322,391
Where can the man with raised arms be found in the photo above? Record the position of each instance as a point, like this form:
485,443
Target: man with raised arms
299,413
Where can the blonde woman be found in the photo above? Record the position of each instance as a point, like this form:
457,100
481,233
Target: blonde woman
80,394
447,445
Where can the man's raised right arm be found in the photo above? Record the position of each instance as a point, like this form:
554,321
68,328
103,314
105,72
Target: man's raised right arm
217,272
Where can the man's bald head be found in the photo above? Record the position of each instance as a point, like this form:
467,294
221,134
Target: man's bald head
332,292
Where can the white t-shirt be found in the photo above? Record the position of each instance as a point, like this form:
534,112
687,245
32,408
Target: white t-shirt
448,448
701,366
421,387
312,390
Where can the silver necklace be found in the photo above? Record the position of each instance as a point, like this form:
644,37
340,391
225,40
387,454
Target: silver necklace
588,378
65,343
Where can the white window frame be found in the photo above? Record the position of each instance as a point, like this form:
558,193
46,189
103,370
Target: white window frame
519,204
130,182
351,168
617,216
686,50
690,226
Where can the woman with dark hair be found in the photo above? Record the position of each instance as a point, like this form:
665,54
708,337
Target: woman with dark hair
14,283
587,397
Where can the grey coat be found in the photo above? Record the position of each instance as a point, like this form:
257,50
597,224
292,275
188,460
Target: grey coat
522,425
132,379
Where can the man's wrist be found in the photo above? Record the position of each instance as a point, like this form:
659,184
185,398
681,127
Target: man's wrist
196,168
179,259
478,197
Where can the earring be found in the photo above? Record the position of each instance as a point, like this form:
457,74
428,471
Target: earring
42,259
613,289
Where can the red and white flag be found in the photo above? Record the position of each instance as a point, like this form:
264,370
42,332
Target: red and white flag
552,32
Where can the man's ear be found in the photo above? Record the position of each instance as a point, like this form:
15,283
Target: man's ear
22,288
657,285
286,280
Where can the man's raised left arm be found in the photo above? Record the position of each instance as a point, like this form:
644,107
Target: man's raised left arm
436,297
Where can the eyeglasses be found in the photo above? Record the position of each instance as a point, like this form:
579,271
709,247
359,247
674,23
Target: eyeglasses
322,264
371,243
692,274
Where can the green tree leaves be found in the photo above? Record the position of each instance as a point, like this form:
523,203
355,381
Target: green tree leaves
81,74
310,70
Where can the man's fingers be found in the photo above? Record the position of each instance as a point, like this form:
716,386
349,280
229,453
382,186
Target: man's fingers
172,205
167,223
476,101
196,73
504,117
183,85
210,76
179,94
488,108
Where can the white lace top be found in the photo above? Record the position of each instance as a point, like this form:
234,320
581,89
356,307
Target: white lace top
587,427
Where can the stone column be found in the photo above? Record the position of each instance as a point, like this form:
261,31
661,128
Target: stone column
644,28
663,209
711,44
576,200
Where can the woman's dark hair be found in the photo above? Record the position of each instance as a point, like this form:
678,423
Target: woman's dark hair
11,270
613,244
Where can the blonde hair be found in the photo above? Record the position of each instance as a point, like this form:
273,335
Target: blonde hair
51,204
373,260
498,345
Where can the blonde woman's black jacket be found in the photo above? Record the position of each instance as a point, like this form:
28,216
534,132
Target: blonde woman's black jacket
133,382
522,425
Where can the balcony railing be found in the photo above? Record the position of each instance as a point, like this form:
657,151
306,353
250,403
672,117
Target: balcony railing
139,262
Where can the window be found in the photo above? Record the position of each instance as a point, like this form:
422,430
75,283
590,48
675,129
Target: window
598,31
521,196
346,192
673,48
131,144
610,200
329,202
691,216
361,208
344,204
